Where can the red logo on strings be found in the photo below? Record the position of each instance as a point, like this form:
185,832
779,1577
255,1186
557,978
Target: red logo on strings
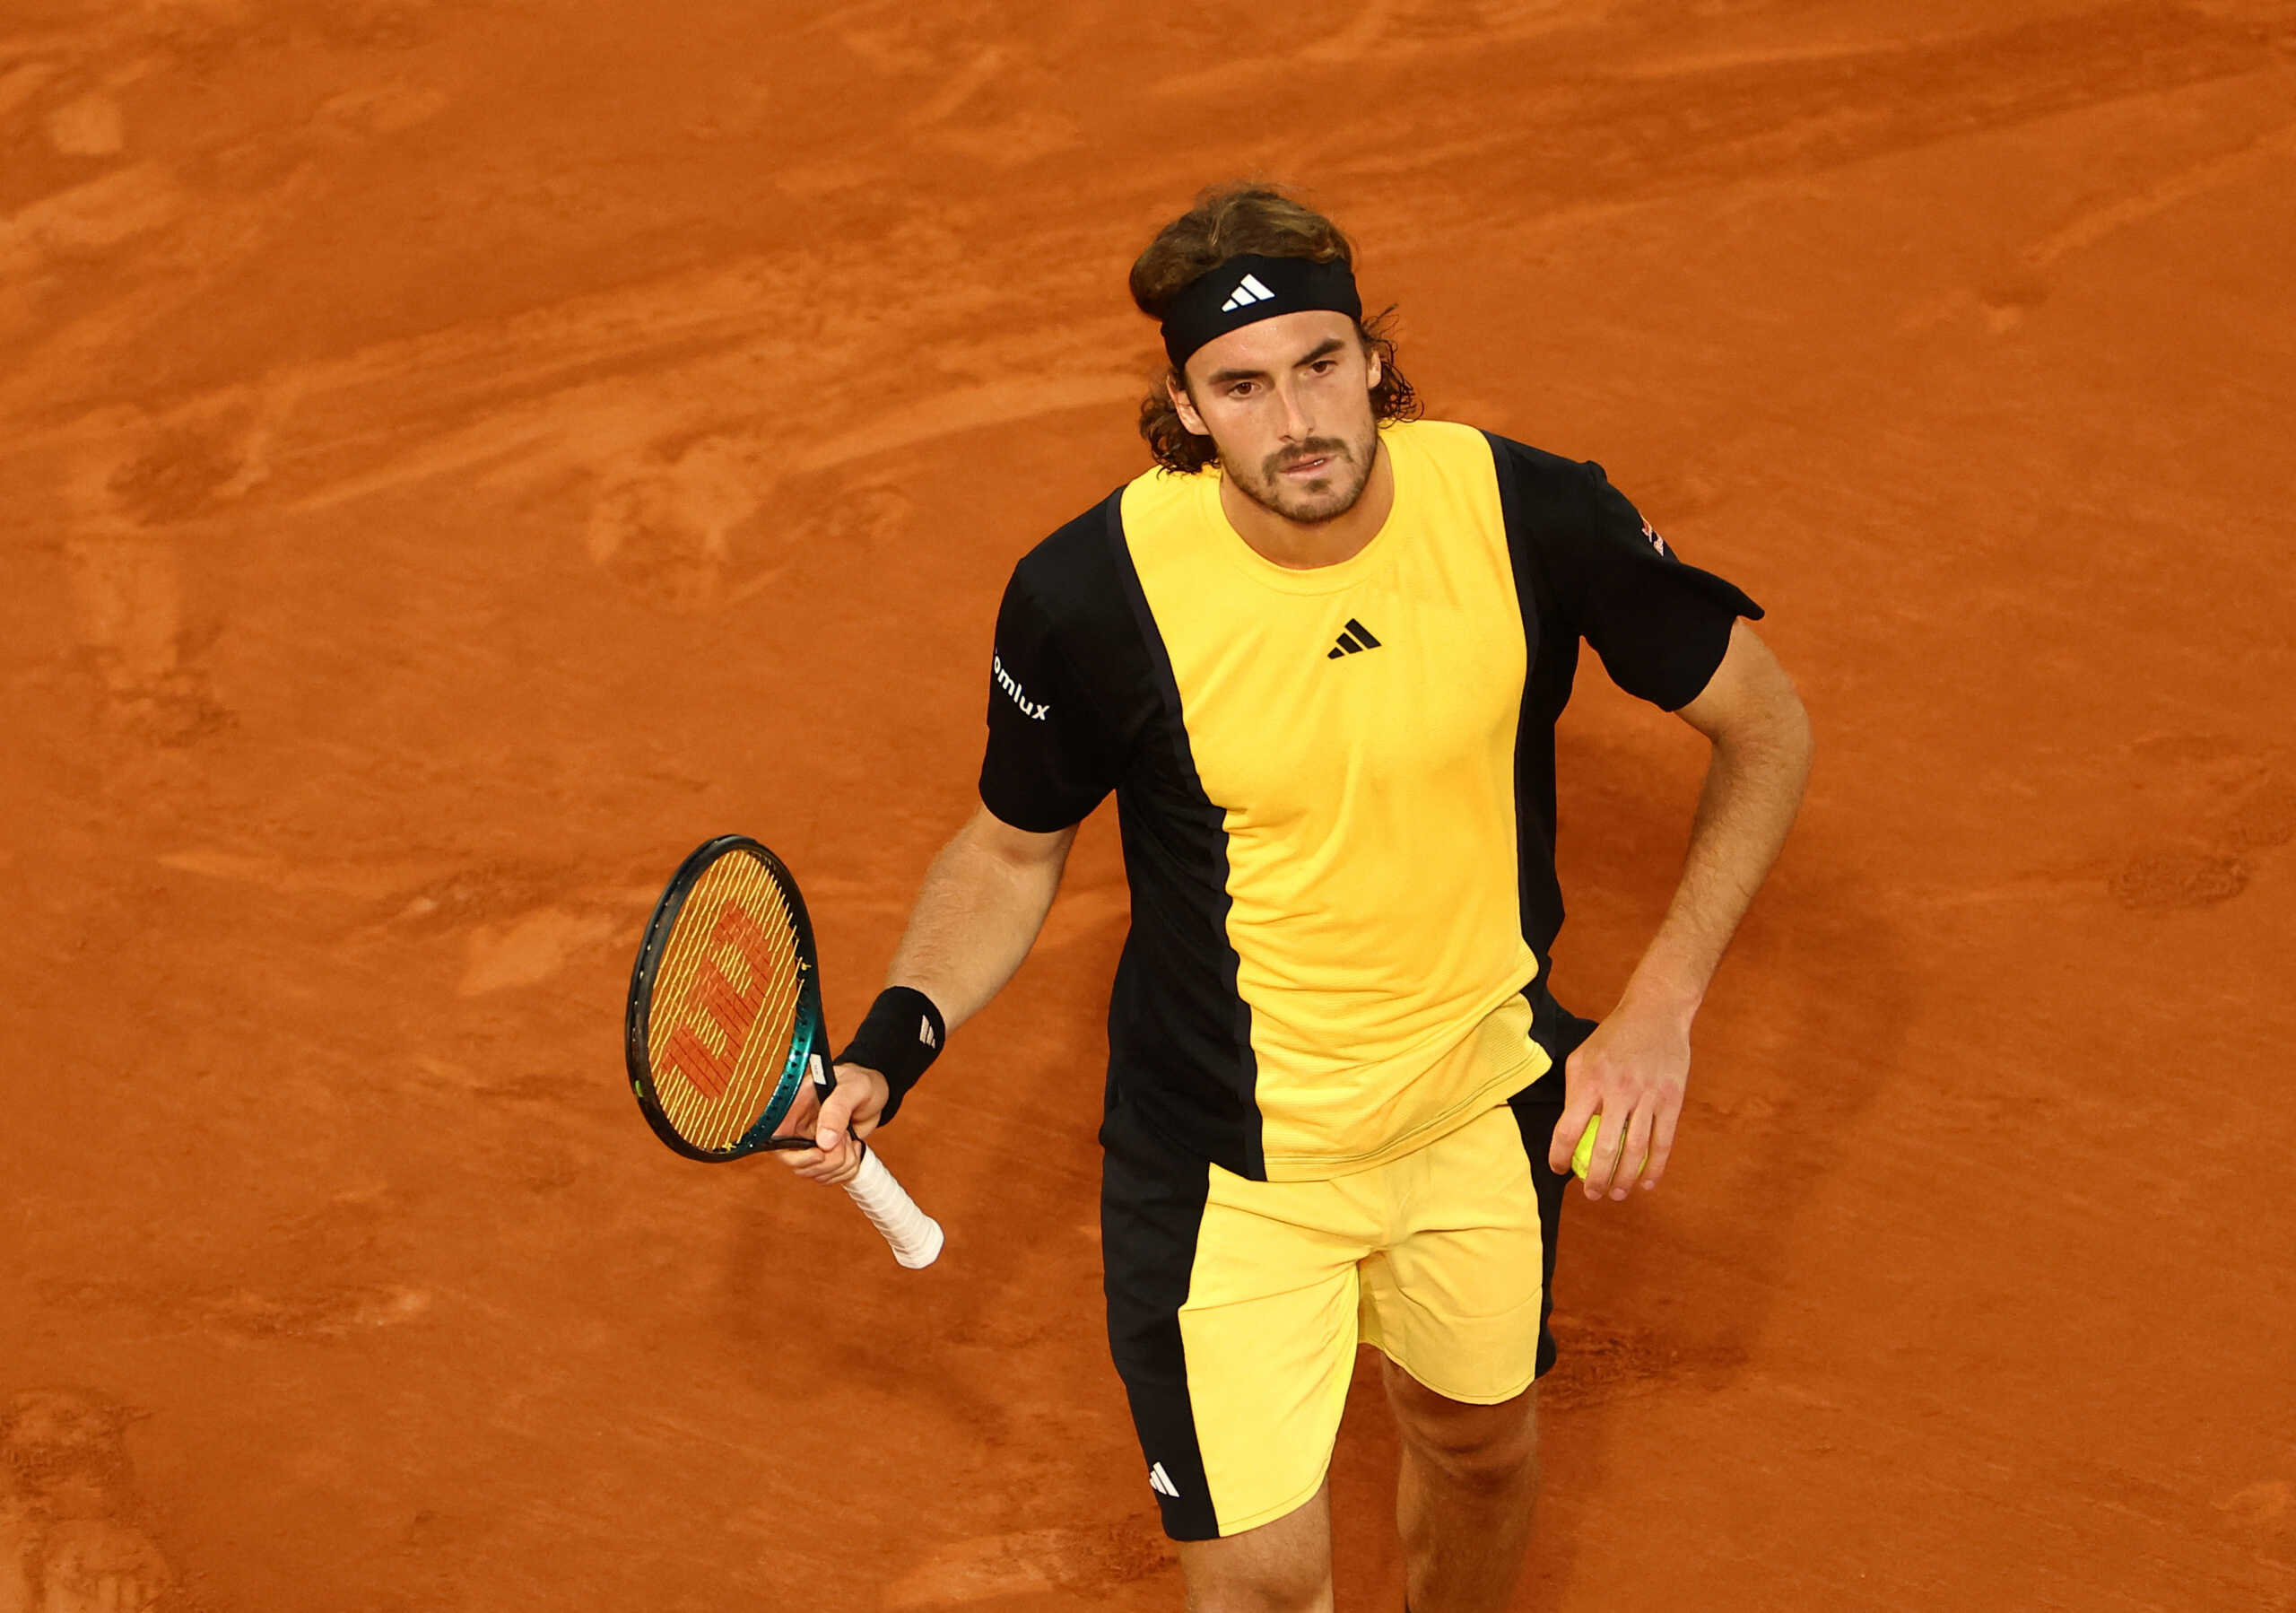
730,1008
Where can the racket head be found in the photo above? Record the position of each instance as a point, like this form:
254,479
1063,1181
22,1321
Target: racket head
724,1021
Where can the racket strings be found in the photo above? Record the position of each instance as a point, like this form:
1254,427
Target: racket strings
746,1097
725,1003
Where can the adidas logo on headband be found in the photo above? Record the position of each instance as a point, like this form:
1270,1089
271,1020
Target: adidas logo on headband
1250,291
1258,287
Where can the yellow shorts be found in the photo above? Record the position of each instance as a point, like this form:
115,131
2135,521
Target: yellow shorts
1235,1306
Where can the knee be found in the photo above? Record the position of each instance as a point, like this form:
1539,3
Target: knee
1501,1462
1283,1566
1261,1588
1492,1448
1262,1595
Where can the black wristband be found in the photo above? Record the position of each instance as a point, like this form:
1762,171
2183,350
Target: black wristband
899,1037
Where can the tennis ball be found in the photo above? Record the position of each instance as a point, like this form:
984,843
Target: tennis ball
1583,1155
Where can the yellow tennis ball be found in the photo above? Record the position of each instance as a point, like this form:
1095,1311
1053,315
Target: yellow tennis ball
1583,1155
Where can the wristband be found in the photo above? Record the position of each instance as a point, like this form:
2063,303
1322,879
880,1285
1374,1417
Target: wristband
899,1037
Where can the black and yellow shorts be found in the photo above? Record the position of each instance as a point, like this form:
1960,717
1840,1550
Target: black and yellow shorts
1235,1306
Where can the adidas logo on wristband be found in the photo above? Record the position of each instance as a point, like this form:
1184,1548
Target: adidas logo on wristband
899,1037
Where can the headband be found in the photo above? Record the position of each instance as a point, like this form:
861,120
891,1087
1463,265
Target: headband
1245,290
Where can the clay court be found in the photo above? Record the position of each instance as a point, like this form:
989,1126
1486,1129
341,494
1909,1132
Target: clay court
456,457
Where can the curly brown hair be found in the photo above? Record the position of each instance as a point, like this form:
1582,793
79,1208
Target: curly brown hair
1228,220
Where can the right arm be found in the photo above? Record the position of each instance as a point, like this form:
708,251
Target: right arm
983,901
1051,758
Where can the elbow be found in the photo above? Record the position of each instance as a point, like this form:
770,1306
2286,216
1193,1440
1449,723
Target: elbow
1801,738
1776,738
1795,743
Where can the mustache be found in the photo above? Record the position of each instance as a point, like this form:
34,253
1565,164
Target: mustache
1313,447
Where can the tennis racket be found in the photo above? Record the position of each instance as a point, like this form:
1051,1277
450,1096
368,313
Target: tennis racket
726,1029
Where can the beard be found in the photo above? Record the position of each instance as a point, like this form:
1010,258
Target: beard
1333,492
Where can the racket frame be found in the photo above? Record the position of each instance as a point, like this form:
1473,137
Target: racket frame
809,1053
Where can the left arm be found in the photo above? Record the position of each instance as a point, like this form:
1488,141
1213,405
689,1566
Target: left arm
1634,1066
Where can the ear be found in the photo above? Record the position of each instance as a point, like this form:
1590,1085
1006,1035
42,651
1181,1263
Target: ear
1377,369
1184,405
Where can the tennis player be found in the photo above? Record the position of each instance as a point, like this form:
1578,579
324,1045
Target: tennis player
1317,654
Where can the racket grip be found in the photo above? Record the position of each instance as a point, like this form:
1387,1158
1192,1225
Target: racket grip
914,1237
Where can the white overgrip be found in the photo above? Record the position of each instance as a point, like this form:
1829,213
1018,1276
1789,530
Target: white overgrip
914,1237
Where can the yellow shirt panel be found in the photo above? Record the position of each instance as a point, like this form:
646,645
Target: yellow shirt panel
1369,800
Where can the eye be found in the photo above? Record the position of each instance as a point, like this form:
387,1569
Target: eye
1326,366
1240,389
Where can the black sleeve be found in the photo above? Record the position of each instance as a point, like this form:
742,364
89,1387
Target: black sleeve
1660,626
1049,761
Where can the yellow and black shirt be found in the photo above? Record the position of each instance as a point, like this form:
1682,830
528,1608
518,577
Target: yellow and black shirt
1335,787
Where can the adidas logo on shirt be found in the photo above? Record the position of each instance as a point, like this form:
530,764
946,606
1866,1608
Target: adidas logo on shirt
1161,1482
1249,291
1354,641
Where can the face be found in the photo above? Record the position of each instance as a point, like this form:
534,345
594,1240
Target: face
1287,404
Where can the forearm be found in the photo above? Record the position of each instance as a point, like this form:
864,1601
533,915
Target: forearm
1754,787
975,919
1632,1068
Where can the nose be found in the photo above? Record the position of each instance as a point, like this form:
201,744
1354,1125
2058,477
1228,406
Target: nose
1298,425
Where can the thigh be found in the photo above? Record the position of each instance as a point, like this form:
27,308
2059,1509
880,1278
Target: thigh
1457,1297
1232,1321
1462,1298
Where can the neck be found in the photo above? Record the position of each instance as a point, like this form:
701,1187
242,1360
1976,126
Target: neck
1303,545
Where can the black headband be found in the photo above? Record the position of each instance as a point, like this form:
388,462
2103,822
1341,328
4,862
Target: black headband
1244,290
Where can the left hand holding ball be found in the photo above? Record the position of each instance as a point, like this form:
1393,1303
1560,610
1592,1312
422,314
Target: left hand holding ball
1623,1091
1583,1154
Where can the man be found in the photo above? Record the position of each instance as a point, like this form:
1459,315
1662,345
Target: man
1318,655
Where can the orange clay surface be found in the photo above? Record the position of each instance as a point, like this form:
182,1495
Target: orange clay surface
453,459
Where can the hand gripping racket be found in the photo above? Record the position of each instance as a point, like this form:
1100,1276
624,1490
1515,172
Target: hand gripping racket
726,1028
